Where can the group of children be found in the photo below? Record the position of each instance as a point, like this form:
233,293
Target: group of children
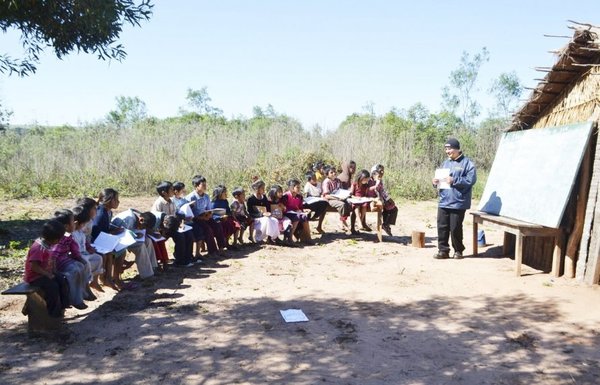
65,265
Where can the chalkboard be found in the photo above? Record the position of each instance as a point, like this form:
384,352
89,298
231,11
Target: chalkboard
534,172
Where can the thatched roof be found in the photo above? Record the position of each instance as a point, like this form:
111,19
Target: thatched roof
580,55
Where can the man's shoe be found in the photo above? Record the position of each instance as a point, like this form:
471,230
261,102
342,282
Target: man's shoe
441,255
457,255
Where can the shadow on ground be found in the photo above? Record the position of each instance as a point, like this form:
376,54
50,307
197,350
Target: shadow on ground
429,342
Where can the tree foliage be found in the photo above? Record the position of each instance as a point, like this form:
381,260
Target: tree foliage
199,101
4,116
129,111
89,26
506,89
459,96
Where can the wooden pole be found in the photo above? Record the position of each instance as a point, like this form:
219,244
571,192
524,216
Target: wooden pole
418,239
575,237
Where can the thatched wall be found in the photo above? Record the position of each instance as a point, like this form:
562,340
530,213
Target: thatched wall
578,103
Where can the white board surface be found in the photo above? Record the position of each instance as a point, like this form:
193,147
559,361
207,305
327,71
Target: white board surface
533,173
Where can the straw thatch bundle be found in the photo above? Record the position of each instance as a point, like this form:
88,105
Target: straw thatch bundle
569,91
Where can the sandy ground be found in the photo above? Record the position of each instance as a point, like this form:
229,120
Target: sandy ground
379,313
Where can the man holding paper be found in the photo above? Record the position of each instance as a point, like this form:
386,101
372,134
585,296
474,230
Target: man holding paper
454,181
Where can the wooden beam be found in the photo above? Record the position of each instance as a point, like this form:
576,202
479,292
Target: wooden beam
544,81
582,24
562,36
577,231
549,69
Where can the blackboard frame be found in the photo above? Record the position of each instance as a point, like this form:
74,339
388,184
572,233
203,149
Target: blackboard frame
534,172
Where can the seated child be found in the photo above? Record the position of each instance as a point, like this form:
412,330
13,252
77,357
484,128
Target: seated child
40,268
360,189
294,210
241,215
94,260
278,210
386,203
228,223
265,226
108,200
204,226
330,185
317,205
135,221
69,261
163,204
184,240
179,194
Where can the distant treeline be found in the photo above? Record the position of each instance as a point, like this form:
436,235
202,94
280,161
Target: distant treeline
75,161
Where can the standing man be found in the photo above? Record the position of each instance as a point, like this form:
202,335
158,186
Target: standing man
455,198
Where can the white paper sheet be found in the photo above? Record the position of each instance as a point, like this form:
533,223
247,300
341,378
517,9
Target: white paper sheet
293,315
441,174
126,239
219,211
311,200
105,243
186,210
341,194
359,200
184,229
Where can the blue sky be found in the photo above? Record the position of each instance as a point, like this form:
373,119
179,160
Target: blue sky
315,60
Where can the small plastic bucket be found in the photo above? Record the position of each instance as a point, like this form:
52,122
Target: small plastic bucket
480,238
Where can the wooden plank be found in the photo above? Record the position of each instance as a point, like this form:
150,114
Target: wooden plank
589,216
577,231
20,289
520,230
592,270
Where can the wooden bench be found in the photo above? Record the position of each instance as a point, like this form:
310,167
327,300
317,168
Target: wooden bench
520,229
35,309
331,209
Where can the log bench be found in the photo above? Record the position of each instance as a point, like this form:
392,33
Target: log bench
331,209
35,309
520,229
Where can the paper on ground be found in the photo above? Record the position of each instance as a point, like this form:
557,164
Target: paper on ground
293,315
441,174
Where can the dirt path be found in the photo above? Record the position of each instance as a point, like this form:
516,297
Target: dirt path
379,313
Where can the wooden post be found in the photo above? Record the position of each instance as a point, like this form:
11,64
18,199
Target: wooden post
418,239
584,244
475,251
558,247
519,253
575,237
379,223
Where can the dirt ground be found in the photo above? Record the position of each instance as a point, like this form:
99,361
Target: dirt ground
379,313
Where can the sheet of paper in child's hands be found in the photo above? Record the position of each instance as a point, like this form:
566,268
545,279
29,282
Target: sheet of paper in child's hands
186,210
105,243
